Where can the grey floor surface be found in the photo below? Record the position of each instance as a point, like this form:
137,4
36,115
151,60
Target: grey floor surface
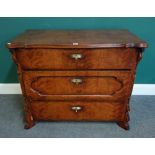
142,122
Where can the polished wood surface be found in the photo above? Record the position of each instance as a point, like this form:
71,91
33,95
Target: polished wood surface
90,111
61,59
84,75
95,85
76,39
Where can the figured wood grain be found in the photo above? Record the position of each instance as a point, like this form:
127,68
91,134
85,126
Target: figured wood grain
107,69
90,111
76,39
96,85
106,85
60,59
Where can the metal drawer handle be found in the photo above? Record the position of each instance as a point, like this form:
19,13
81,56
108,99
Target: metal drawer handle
76,108
76,56
76,81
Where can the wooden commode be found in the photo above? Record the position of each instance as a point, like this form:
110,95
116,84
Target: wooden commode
77,75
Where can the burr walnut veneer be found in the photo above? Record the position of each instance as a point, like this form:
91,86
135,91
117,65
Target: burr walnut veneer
78,75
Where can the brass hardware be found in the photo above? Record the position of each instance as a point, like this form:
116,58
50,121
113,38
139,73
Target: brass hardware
76,108
75,43
76,81
76,56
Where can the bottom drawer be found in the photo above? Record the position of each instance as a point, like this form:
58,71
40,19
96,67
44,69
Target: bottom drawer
78,111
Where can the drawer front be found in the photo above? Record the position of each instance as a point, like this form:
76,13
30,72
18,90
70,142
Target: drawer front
69,59
93,111
77,85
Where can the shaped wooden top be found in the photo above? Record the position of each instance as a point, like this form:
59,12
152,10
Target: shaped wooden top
76,39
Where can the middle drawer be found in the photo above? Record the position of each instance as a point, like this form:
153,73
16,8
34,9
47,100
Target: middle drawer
72,85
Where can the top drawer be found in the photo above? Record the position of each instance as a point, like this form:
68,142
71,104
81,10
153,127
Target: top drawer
70,59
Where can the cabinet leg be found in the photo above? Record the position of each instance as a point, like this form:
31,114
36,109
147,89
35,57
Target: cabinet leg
28,126
124,125
29,120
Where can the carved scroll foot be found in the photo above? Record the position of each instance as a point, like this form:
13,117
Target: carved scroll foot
28,126
29,122
124,125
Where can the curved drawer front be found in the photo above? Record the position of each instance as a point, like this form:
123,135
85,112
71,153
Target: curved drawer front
74,85
92,111
69,59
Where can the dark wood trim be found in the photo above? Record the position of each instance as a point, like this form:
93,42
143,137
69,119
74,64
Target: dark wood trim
131,45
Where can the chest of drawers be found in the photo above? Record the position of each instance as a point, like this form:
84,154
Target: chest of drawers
78,75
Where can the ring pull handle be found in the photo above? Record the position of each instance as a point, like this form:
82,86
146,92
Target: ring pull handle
76,56
76,108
